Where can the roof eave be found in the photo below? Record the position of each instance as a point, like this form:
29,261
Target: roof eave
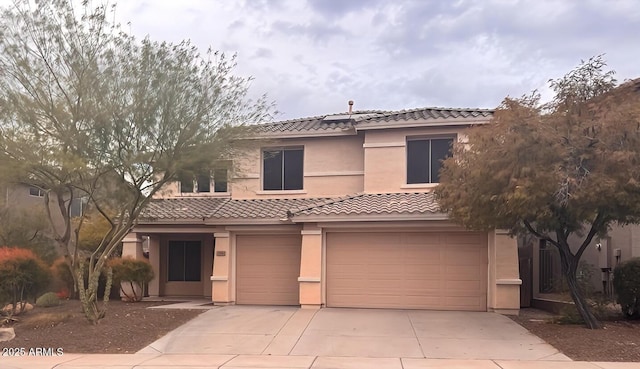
314,133
421,123
369,217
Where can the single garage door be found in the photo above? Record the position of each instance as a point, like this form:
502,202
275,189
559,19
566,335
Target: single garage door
407,270
267,269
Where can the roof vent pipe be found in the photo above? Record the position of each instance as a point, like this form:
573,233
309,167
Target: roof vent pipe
350,107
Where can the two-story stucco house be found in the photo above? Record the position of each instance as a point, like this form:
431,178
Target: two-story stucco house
333,211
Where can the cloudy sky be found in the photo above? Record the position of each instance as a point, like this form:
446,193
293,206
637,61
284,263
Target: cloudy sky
312,56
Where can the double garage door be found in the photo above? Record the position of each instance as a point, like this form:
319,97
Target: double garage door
405,270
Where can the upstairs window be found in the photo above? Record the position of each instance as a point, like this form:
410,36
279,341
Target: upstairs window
424,159
35,191
201,183
282,169
220,180
186,184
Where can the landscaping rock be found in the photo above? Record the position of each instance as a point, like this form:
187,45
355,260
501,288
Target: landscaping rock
26,307
7,334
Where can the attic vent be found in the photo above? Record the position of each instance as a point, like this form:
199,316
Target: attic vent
337,118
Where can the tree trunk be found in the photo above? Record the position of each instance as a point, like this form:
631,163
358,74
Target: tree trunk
569,268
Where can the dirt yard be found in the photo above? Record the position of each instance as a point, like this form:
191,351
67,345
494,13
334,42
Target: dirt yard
617,341
127,328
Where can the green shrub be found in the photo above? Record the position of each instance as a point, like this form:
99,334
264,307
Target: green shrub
626,282
136,272
49,299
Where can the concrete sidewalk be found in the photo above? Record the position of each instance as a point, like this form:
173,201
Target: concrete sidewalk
194,361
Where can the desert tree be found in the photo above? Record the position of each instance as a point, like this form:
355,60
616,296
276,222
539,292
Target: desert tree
88,111
569,167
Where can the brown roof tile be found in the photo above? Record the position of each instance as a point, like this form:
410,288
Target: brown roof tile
363,117
374,204
433,113
261,208
181,208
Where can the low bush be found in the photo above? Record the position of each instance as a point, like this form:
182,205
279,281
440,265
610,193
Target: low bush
49,299
626,282
135,273
23,275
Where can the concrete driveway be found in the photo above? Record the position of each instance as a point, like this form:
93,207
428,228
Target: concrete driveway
374,333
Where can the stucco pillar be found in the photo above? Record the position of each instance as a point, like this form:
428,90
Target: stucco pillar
154,259
504,276
132,246
220,279
311,268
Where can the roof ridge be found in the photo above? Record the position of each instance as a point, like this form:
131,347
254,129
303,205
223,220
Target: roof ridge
330,201
222,203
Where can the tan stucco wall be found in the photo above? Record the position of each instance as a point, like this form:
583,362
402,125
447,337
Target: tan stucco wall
385,163
201,288
333,166
504,276
311,267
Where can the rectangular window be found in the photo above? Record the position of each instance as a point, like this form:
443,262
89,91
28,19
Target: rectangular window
184,261
283,169
204,182
220,180
424,159
186,184
35,191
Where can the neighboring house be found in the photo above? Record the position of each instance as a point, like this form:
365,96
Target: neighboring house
541,271
333,211
30,198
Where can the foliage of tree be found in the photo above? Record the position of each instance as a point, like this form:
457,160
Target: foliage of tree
136,273
27,228
87,110
626,283
22,276
567,167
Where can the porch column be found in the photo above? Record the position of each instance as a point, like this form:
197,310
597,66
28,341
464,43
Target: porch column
132,246
504,275
154,259
220,278
311,268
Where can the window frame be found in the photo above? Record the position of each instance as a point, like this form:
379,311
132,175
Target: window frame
429,169
184,243
39,191
283,180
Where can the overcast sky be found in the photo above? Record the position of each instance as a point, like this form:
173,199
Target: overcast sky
312,56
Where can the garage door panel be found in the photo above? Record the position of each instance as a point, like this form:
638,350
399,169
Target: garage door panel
420,270
267,269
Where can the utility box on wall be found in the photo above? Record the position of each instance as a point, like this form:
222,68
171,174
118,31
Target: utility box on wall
604,253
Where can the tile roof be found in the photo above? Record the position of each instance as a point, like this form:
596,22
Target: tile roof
262,208
316,123
374,204
363,117
433,113
223,209
181,208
